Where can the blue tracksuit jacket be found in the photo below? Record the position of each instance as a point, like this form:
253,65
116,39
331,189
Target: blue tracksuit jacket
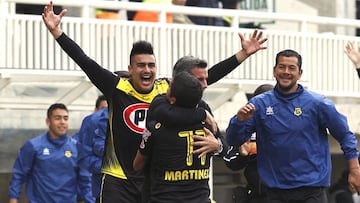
49,169
292,138
91,137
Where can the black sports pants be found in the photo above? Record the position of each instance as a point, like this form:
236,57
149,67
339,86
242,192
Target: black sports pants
297,195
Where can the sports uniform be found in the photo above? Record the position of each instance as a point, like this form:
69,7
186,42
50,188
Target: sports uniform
164,112
292,139
54,177
127,116
255,190
91,148
176,175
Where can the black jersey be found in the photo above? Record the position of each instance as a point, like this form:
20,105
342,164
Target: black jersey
176,175
127,111
127,119
127,108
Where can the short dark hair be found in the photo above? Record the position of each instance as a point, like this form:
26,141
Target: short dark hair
55,106
141,47
186,89
99,100
187,64
263,88
288,53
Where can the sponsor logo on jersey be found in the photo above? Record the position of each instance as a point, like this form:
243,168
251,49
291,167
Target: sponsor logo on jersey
269,110
135,117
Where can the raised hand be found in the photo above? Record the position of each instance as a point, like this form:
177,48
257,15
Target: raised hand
353,53
52,20
254,44
250,46
245,112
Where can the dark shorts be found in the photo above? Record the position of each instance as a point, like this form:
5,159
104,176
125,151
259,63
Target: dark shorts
297,195
120,190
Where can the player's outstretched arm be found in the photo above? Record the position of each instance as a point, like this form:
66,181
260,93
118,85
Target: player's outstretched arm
52,20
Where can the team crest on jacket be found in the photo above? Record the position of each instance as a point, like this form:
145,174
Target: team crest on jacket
135,117
68,153
297,111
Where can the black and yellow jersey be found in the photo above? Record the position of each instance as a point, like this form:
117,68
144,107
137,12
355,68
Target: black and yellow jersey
176,174
127,118
127,111
127,107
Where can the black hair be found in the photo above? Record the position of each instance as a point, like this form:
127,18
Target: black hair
186,89
263,88
187,64
99,100
55,106
288,53
141,47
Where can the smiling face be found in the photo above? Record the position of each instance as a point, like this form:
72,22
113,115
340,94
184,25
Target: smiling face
142,70
287,72
58,123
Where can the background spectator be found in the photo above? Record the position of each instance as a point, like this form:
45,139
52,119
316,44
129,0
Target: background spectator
153,16
204,20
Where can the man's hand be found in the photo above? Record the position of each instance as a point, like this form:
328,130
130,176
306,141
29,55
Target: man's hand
250,46
245,148
353,54
245,112
354,180
13,200
52,20
211,121
354,175
208,143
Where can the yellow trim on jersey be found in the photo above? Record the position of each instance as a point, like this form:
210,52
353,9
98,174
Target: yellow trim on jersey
160,87
111,164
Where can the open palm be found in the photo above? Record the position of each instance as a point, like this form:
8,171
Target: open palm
254,44
50,19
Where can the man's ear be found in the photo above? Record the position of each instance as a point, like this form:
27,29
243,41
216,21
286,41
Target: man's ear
274,71
47,121
172,100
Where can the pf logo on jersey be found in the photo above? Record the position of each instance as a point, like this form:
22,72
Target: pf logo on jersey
135,117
